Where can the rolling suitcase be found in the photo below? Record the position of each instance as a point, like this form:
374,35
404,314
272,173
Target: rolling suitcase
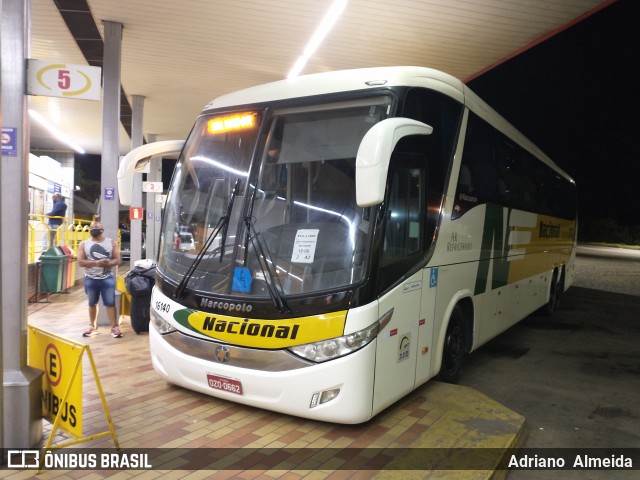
139,283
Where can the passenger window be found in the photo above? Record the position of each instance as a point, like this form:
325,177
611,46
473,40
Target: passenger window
494,169
477,176
509,175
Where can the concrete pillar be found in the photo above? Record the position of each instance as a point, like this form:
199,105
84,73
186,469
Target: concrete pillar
137,139
154,208
20,401
111,67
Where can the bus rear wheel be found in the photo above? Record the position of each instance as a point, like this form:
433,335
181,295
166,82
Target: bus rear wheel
454,350
555,292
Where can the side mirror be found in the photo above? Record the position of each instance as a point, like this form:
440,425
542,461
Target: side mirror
374,154
135,161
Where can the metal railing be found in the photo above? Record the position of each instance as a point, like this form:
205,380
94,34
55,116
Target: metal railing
41,235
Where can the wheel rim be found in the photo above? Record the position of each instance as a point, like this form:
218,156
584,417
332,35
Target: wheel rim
553,294
454,348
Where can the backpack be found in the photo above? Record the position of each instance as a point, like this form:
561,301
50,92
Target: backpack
140,281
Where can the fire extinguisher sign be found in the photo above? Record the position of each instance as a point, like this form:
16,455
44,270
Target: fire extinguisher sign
136,213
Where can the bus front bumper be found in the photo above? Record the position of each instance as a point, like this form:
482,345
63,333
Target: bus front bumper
294,387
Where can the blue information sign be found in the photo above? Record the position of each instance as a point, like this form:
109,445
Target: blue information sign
241,279
9,135
433,278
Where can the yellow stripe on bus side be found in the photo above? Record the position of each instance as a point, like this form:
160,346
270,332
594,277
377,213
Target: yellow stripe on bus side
548,245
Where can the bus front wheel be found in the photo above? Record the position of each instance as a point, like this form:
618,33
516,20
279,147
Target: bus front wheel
454,349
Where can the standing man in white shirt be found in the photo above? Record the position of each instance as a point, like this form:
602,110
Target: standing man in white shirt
97,256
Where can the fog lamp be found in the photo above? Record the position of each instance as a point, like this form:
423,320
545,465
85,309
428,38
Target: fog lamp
318,398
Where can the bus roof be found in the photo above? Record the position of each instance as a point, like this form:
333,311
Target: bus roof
371,78
342,81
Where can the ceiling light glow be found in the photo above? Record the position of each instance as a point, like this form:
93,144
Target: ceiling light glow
321,32
54,131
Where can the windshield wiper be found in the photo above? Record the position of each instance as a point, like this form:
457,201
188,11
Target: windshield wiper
222,225
225,226
247,221
273,285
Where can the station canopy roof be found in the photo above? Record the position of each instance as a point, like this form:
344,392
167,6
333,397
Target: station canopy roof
180,55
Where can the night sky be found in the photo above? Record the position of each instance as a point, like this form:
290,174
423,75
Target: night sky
575,96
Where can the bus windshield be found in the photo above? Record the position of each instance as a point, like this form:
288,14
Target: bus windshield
263,203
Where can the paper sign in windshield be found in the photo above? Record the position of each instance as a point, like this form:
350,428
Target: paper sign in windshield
304,246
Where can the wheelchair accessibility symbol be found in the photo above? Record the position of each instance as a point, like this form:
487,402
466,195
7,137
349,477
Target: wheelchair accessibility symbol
433,278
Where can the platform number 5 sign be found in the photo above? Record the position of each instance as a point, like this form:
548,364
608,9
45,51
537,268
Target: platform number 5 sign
54,79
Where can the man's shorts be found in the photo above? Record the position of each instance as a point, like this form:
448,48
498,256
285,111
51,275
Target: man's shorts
105,287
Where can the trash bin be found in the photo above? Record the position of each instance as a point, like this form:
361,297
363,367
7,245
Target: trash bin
139,282
51,270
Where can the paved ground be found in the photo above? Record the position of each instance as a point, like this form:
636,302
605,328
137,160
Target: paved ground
576,380
576,377
149,413
609,269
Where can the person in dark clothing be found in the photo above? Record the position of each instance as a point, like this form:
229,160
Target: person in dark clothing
56,216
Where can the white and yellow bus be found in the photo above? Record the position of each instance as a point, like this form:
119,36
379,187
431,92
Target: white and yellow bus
354,234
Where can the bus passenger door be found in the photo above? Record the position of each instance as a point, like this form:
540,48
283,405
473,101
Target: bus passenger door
399,278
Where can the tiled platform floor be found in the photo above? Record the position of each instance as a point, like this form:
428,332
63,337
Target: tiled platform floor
149,413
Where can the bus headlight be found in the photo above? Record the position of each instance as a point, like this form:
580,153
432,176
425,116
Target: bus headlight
336,347
163,327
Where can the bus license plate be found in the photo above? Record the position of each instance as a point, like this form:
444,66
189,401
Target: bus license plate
225,384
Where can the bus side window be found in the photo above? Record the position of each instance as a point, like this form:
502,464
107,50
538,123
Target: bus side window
404,233
476,178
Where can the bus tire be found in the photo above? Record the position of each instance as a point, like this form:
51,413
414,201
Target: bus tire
454,350
555,292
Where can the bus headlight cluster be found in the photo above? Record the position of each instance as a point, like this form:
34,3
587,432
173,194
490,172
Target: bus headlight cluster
336,347
163,327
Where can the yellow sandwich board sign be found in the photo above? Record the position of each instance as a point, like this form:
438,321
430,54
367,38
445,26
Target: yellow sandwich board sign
61,361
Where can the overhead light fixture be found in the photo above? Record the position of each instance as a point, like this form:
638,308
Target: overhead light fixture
54,131
328,22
